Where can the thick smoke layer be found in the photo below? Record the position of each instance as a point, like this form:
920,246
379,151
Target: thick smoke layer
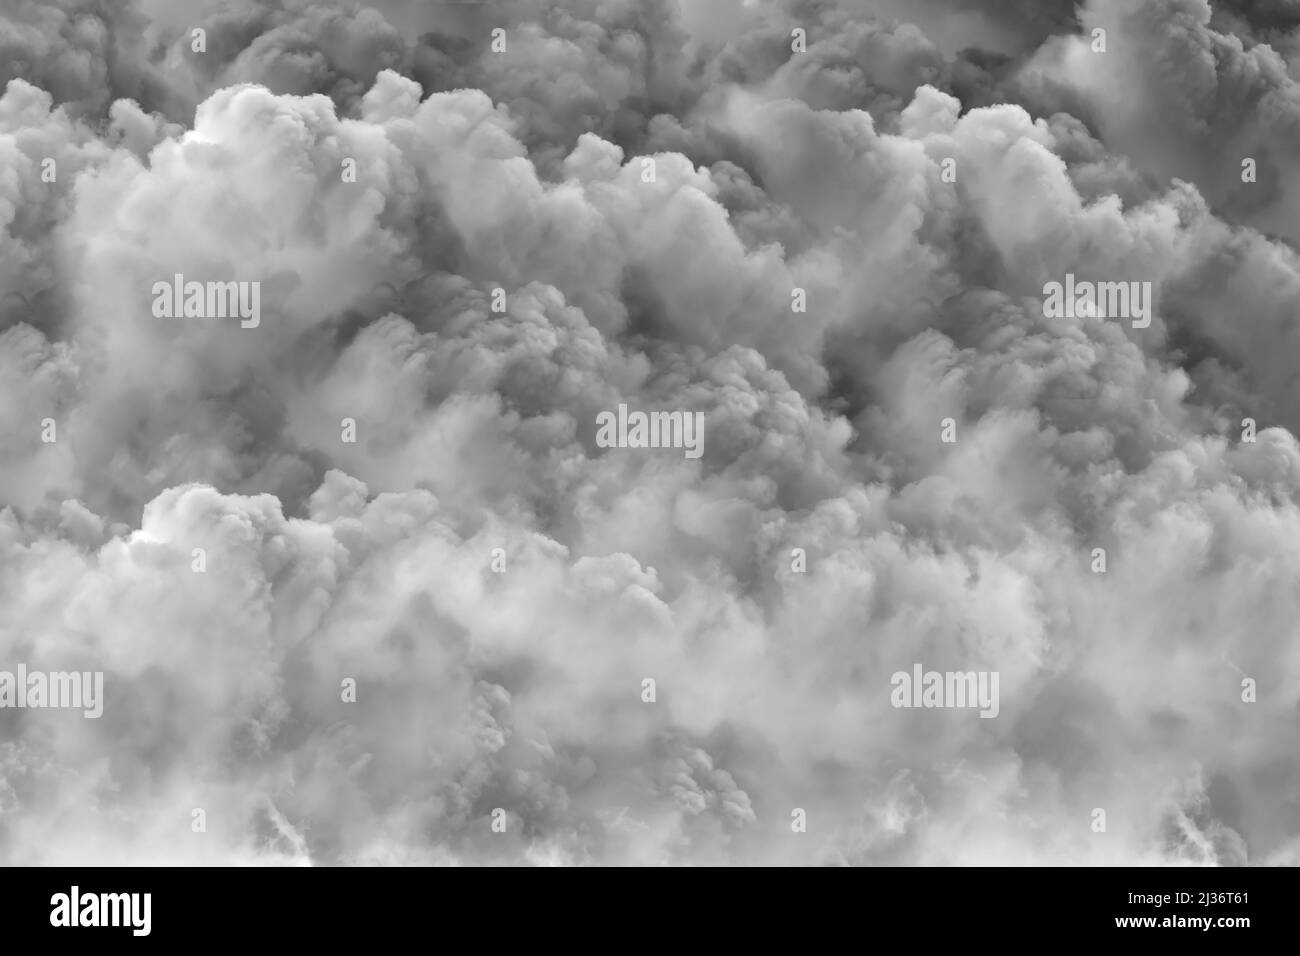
512,678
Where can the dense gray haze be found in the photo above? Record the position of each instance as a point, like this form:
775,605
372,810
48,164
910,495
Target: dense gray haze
513,679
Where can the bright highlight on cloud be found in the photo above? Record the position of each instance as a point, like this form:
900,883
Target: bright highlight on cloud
360,575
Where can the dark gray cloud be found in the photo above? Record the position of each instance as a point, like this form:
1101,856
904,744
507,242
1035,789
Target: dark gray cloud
776,173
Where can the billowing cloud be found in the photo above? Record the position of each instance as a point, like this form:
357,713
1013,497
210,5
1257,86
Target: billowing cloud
362,574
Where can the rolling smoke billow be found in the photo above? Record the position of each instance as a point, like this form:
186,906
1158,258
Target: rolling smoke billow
649,432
